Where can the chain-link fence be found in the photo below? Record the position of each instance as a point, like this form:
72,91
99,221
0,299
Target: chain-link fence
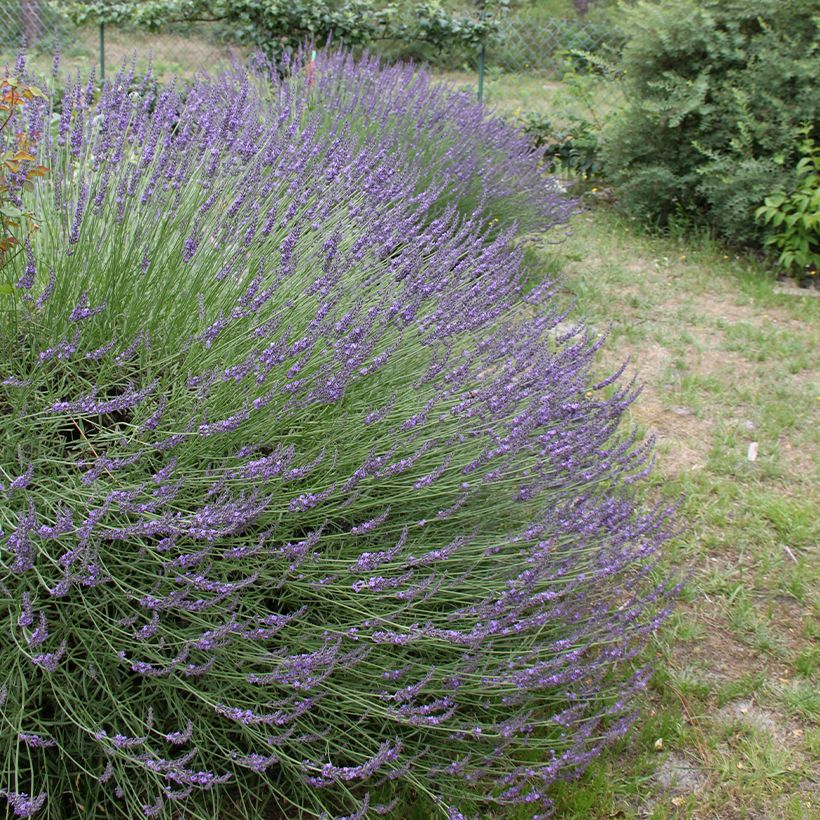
543,45
180,49
523,43
35,22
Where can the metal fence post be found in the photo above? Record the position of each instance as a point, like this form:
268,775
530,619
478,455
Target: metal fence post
481,73
102,51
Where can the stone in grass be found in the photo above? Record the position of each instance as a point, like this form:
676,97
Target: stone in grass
748,712
568,329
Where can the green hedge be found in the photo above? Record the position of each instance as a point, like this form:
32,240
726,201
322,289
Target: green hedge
717,91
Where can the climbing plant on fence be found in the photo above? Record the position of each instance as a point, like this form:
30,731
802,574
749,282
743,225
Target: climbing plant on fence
278,25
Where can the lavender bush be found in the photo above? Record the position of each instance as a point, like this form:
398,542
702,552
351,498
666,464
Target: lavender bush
476,161
306,508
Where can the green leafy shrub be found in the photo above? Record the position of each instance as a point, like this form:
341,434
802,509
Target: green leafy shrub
717,92
573,148
570,136
432,32
793,219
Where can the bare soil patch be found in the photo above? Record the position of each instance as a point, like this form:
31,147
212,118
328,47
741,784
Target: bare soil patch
680,775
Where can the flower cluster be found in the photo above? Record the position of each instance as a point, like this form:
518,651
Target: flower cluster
303,501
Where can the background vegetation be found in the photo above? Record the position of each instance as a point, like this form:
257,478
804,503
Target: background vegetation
716,96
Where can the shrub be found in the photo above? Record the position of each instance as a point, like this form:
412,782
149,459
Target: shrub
570,136
303,503
573,148
793,217
716,94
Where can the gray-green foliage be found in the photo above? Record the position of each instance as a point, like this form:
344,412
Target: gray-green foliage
717,92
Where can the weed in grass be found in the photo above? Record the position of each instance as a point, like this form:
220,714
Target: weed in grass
744,686
802,699
811,736
807,662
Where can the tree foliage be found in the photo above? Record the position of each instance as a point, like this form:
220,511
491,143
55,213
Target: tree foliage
276,25
18,169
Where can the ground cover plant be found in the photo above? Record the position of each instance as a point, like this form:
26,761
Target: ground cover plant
305,502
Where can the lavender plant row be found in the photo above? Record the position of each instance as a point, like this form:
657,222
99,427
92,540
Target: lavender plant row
306,510
438,132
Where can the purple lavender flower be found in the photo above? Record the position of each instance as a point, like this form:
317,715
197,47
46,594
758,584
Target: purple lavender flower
50,661
180,738
26,281
84,311
22,481
22,805
36,741
292,445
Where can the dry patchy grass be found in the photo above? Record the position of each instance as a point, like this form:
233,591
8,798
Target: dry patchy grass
731,722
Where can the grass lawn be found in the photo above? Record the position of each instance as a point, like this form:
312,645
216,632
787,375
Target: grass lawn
511,94
730,728
168,53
